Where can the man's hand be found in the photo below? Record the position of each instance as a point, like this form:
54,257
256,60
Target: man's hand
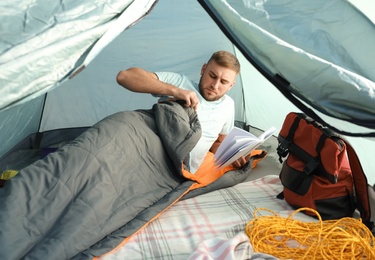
190,97
241,161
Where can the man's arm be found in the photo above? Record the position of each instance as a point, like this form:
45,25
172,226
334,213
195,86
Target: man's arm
217,143
142,81
239,162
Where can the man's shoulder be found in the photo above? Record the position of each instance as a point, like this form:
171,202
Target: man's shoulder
226,99
177,79
169,75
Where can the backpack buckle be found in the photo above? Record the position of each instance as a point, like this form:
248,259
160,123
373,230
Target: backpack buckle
311,166
282,149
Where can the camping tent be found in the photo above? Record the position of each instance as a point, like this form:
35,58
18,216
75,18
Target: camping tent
58,62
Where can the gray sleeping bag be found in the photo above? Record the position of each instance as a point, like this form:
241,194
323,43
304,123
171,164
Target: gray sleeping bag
86,197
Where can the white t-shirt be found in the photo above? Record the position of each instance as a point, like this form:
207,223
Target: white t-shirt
215,117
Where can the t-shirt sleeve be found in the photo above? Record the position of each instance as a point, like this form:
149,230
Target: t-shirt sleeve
170,78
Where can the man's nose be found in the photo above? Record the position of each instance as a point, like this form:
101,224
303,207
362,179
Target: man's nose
216,84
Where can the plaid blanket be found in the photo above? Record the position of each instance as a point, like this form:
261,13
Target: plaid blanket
209,226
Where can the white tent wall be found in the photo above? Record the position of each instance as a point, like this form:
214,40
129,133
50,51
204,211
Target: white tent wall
365,147
19,122
366,7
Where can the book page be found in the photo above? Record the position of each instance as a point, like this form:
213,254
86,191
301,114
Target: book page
266,134
243,151
239,143
230,140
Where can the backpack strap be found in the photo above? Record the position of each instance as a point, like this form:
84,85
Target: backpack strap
361,186
284,143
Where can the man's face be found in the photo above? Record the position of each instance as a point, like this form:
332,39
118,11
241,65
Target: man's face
215,81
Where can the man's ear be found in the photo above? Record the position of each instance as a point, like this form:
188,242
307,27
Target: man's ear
203,69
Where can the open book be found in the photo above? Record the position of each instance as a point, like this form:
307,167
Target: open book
239,143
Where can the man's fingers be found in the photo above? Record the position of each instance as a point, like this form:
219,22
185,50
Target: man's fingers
193,103
242,161
190,98
187,102
239,162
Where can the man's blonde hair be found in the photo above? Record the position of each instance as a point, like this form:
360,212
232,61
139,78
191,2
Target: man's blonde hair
226,59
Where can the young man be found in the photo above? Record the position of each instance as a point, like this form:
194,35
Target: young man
215,109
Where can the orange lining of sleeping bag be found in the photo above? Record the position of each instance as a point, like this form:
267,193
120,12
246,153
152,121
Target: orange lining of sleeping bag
208,172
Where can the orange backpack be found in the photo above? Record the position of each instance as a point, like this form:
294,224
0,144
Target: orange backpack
321,170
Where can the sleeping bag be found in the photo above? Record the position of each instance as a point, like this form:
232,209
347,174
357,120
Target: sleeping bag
86,197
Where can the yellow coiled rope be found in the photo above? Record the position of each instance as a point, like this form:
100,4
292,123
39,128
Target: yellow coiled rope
288,238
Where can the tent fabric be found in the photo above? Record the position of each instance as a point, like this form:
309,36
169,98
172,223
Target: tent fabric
44,43
47,40
337,78
19,122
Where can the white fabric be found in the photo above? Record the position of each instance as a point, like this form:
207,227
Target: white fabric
216,117
237,247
